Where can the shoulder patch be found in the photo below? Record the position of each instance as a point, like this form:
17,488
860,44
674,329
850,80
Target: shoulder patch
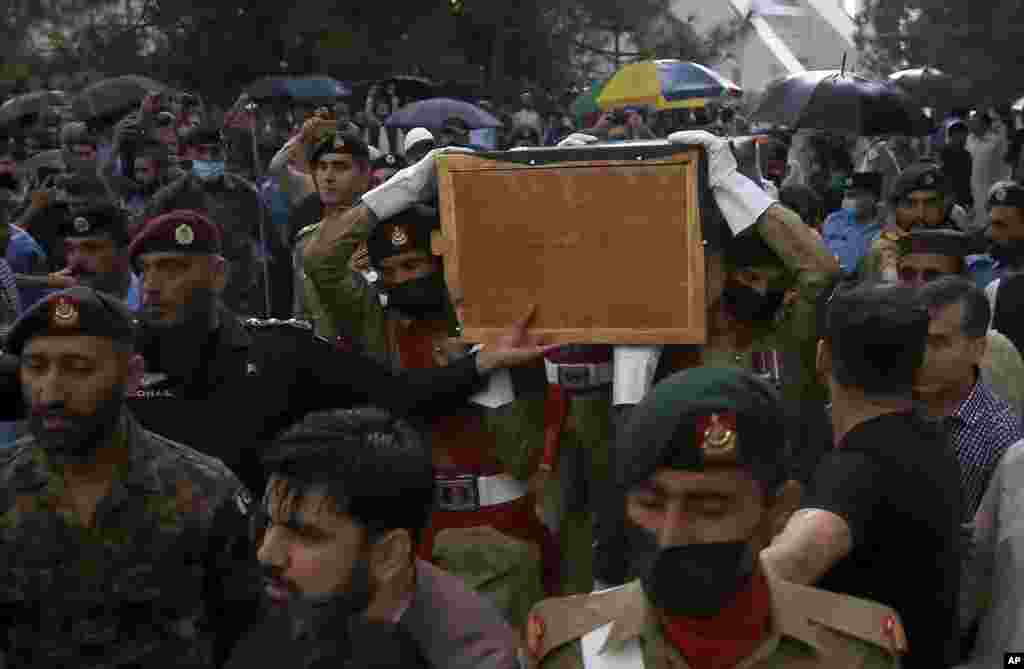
861,619
277,322
555,622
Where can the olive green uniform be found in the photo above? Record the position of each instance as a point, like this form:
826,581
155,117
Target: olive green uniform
808,628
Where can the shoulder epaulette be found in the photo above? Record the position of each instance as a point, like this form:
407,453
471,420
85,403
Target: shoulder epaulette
859,618
555,622
277,322
307,230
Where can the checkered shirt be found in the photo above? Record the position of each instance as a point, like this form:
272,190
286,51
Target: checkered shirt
981,429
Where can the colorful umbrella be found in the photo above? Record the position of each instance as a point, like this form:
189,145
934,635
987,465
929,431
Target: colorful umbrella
305,89
586,102
665,84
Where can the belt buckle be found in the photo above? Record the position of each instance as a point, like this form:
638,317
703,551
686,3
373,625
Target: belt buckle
574,377
458,493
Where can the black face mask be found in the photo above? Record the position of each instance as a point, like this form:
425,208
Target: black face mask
695,580
750,306
420,298
1007,254
8,182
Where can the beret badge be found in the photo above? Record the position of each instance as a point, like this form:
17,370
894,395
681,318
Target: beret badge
718,432
399,237
81,224
65,312
184,235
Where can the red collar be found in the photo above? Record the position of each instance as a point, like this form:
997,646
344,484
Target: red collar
734,634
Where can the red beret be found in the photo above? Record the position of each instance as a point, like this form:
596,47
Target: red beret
179,231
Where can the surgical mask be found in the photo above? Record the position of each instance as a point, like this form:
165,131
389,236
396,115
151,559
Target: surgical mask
208,170
750,306
420,298
695,580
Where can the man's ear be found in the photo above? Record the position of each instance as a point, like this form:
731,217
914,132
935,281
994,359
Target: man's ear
391,554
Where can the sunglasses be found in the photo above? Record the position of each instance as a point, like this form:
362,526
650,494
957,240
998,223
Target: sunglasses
927,275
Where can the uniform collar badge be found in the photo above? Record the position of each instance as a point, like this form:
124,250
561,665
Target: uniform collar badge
81,225
184,235
389,159
1001,195
399,237
718,433
65,312
928,180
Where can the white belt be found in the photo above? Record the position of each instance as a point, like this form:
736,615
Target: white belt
579,376
468,492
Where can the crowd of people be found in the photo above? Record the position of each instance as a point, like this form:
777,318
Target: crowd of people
241,428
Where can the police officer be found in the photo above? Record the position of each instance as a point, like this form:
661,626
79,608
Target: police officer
1005,237
918,198
707,488
96,247
120,547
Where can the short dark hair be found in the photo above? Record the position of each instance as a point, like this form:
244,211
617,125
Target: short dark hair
375,468
876,335
949,290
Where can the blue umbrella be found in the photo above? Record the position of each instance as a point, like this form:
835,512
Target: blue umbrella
434,112
315,87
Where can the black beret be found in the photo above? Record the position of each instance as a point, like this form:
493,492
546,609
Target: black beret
179,231
919,176
869,181
201,135
406,231
97,219
389,161
941,242
78,311
707,416
340,142
1006,194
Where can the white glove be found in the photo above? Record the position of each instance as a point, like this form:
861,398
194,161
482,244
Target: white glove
577,139
740,200
409,186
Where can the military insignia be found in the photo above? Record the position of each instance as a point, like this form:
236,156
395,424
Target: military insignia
718,434
873,154
399,237
65,312
893,631
81,225
390,159
928,179
243,501
184,235
250,369
151,379
1001,195
534,635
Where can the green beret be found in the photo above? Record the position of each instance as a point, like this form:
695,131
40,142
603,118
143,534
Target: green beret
1006,194
940,242
707,416
919,176
78,311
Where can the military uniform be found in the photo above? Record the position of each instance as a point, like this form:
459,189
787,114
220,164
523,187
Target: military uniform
690,606
160,573
163,578
482,451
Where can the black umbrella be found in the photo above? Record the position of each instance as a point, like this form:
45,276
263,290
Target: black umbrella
114,96
410,87
833,100
928,86
37,103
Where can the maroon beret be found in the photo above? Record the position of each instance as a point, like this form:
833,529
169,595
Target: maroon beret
179,231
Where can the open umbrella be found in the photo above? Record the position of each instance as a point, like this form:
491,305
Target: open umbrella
434,112
36,103
665,84
832,100
409,86
314,88
928,86
51,158
113,96
586,102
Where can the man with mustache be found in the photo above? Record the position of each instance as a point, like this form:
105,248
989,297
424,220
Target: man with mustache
96,247
1005,236
120,548
707,489
349,498
228,385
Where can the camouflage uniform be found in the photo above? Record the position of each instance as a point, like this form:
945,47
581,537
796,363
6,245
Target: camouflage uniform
164,577
809,628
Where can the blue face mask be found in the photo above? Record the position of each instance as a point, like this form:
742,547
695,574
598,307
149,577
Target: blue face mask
208,170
